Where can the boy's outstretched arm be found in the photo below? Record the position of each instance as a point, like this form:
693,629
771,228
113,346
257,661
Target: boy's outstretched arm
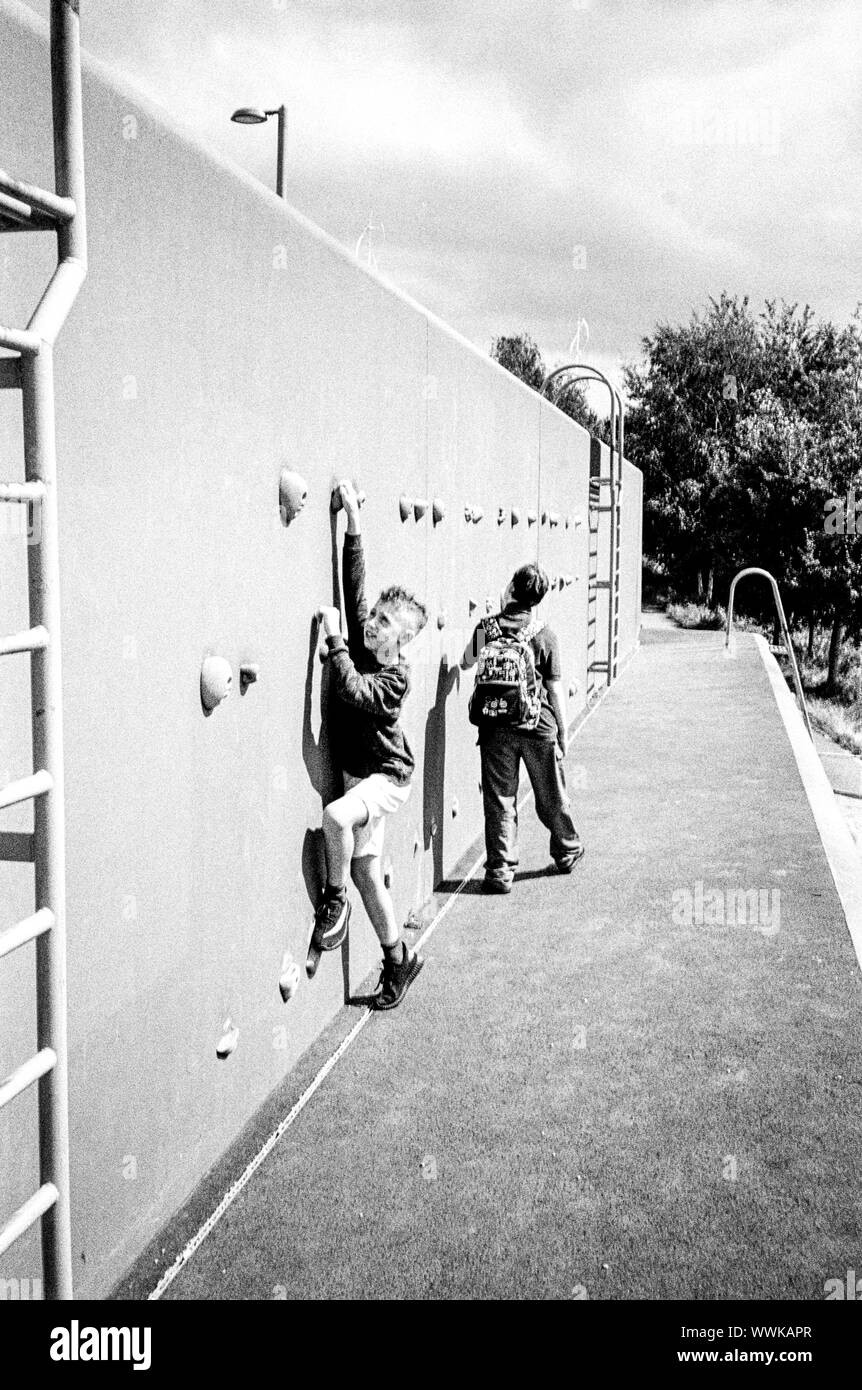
353,571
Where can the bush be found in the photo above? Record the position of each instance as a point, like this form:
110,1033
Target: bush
697,615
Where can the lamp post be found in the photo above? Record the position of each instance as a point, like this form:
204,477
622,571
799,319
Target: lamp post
254,115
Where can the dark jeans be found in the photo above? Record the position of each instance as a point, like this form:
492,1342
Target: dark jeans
502,752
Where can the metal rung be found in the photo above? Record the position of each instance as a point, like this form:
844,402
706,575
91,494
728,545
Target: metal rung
605,509
22,492
10,374
36,640
598,666
33,1208
25,931
26,788
52,207
23,217
19,340
603,583
28,1072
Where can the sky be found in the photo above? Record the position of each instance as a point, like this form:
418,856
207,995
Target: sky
580,170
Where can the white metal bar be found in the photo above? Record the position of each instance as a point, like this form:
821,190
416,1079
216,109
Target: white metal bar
36,786
36,640
31,927
22,492
17,340
32,1209
17,1081
49,204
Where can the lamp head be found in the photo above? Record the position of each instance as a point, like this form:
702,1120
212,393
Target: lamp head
249,115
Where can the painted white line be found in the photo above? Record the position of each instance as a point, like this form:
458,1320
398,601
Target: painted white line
248,1172
841,853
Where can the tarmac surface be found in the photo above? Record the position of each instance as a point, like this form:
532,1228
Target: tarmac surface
611,1085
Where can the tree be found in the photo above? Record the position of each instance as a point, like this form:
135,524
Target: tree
520,355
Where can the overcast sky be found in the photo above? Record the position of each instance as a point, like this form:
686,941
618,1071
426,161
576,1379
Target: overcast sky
608,163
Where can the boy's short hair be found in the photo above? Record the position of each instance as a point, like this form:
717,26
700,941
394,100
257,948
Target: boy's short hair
406,603
529,586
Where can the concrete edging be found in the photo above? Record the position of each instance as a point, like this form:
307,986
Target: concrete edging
841,853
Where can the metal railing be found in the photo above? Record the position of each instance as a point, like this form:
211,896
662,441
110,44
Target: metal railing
785,650
30,370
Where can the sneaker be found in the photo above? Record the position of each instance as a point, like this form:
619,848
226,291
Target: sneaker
330,922
565,866
497,885
397,979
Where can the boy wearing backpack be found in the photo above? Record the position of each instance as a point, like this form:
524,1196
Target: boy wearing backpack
519,708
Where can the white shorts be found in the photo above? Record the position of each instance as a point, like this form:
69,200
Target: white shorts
383,798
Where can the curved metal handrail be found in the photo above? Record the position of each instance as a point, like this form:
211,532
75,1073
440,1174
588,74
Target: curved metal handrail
788,645
618,416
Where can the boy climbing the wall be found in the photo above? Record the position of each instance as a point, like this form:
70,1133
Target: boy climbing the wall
370,680
519,707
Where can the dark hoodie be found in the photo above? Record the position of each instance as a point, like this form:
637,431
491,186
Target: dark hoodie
365,734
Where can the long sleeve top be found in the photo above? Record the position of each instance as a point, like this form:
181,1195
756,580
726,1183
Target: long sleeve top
365,732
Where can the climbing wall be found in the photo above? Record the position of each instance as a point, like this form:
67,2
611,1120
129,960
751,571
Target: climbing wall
220,340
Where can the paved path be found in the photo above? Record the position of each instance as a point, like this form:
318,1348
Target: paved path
600,1086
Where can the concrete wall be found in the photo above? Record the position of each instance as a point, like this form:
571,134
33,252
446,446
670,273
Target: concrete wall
220,337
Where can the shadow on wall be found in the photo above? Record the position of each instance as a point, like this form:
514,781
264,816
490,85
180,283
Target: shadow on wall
434,789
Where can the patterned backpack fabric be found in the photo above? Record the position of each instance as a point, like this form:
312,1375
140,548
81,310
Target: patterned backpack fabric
507,691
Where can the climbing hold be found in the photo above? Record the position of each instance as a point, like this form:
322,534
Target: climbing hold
292,492
335,503
468,513
387,873
531,518
441,620
478,513
516,515
544,518
554,518
568,522
216,681
501,515
417,843
288,980
228,1041
562,581
405,506
472,605
414,921
579,521
434,828
248,674
438,510
455,807
569,579
420,507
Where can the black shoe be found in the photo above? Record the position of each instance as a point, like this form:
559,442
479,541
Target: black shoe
330,922
497,885
397,979
565,866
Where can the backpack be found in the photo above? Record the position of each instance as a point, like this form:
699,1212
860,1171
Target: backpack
507,691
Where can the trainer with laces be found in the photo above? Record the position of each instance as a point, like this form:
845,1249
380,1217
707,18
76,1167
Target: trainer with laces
370,680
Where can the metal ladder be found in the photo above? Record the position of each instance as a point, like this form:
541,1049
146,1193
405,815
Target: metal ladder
785,650
612,507
27,366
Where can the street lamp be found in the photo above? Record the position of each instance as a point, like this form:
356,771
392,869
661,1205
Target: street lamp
253,115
